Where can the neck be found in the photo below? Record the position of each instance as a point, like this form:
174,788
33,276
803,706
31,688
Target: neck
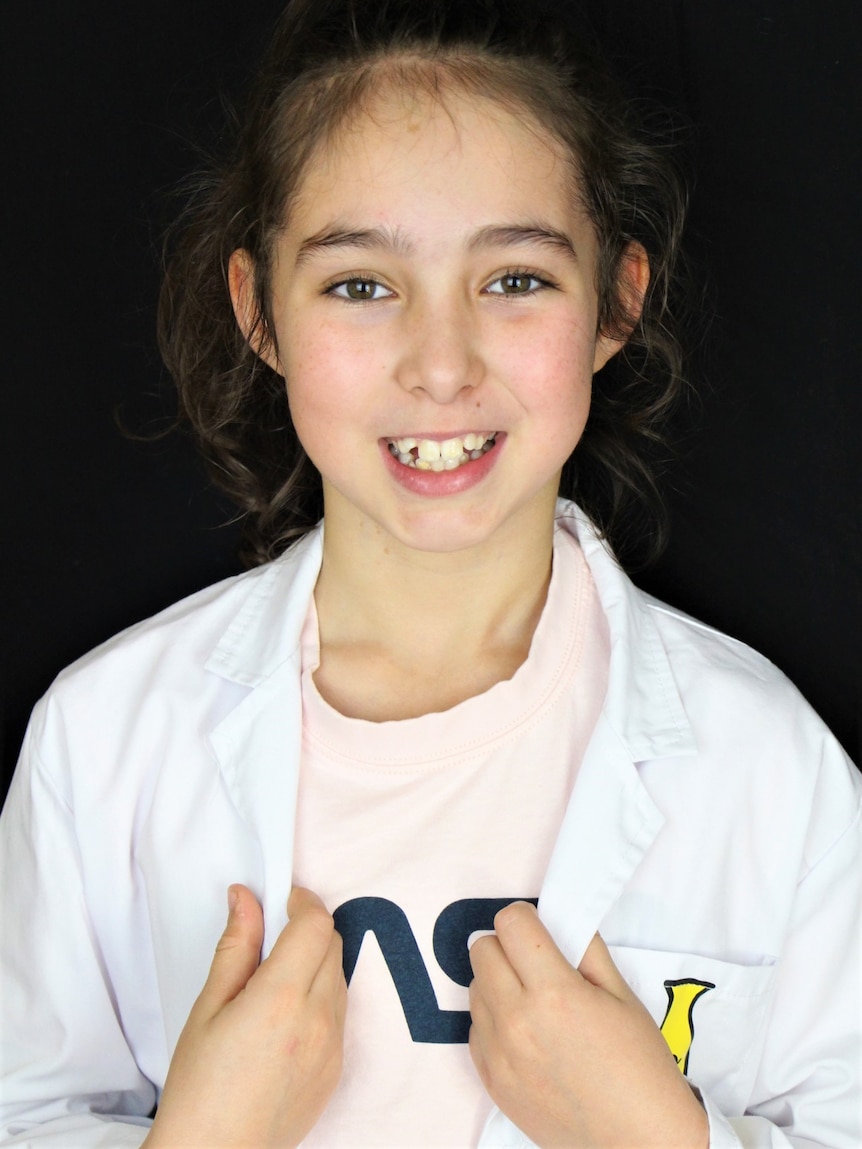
403,632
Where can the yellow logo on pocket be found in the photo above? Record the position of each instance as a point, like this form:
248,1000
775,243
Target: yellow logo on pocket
678,1026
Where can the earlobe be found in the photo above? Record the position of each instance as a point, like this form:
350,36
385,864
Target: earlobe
240,277
633,283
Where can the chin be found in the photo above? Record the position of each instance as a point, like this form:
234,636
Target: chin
446,530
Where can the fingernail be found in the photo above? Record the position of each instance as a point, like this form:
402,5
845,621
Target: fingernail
512,911
232,899
476,934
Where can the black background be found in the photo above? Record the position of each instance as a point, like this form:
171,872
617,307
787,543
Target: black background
104,104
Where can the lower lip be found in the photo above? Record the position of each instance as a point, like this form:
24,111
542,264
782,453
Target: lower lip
439,484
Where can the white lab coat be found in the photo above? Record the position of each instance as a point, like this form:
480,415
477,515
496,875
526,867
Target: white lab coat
713,834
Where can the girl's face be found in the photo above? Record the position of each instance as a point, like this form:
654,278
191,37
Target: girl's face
434,293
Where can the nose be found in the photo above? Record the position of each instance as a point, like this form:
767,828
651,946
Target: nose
440,351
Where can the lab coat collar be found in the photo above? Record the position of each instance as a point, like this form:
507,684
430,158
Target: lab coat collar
611,819
257,744
643,705
265,631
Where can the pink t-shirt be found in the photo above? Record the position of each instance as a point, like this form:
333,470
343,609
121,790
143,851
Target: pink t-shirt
415,833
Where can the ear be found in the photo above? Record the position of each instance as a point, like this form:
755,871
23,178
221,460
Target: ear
633,283
240,279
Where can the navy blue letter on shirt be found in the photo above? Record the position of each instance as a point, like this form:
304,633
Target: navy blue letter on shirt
389,924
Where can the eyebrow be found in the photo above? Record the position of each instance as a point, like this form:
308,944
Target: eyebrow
388,239
523,235
366,239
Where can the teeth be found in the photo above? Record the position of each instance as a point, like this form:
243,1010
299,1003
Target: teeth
445,455
429,450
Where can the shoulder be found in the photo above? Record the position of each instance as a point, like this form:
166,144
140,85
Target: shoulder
727,685
186,630
232,634
713,721
665,652
759,738
695,649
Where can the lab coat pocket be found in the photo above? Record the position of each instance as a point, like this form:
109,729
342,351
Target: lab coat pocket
712,1014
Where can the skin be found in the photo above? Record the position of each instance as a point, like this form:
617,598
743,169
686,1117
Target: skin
438,349
571,1055
261,1051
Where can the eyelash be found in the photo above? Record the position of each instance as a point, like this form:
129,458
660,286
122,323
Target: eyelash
521,273
331,288
511,273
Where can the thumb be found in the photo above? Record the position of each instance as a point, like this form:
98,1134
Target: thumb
237,954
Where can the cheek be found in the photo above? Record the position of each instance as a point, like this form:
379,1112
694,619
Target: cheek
321,375
553,375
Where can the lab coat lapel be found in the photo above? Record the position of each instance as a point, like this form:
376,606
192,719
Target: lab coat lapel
257,744
258,752
610,823
611,819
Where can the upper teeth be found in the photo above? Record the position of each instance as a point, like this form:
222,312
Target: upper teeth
445,454
431,449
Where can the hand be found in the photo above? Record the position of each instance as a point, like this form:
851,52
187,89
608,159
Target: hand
571,1055
261,1051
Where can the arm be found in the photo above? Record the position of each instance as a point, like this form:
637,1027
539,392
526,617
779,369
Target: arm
257,1035
809,1087
68,1076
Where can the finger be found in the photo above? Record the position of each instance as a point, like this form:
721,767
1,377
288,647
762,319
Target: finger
302,945
481,1014
492,970
483,1034
477,1053
597,967
529,948
329,983
302,901
237,954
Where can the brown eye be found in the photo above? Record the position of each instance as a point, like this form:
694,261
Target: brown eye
359,290
516,283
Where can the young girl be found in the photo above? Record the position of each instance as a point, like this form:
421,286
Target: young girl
434,280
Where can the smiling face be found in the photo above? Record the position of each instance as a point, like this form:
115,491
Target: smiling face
434,313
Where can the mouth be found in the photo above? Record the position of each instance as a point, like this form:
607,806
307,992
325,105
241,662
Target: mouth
441,454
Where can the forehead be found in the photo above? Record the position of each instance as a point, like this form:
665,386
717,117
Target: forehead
412,160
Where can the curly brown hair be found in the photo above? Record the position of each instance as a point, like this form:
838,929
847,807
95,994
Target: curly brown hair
325,62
